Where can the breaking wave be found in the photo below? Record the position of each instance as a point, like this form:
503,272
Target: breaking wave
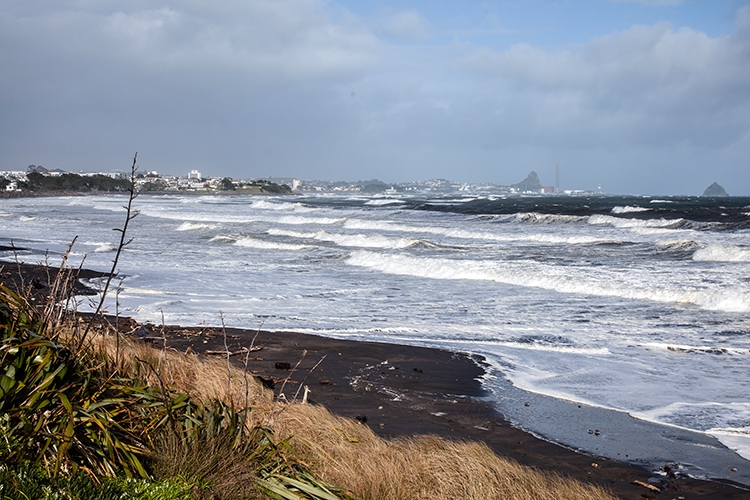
678,245
284,205
544,238
224,238
101,246
529,274
249,242
293,220
193,226
628,209
384,201
620,222
722,253
539,218
351,240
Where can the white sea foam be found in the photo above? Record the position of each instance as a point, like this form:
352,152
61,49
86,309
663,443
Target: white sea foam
384,201
194,226
531,274
146,291
728,422
292,234
350,240
722,253
734,439
546,237
301,221
240,217
27,218
280,205
619,222
102,246
267,245
561,348
5,214
628,209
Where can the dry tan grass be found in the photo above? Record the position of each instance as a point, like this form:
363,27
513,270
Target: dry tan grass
348,454
203,378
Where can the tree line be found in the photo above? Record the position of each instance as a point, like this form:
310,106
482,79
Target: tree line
37,182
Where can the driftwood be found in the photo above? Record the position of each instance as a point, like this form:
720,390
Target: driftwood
647,486
244,350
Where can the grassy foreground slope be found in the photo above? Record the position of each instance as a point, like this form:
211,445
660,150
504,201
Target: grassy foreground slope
86,412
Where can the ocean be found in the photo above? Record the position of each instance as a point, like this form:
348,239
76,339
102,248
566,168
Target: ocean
633,309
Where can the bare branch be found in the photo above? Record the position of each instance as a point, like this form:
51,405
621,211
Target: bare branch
113,272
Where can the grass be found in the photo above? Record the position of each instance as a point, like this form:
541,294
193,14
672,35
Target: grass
343,451
197,426
79,401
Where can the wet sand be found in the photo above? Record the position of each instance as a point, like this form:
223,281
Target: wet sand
405,390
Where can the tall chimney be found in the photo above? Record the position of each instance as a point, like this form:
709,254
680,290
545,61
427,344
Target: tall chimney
557,177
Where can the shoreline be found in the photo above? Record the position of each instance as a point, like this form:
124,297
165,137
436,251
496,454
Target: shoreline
400,390
409,390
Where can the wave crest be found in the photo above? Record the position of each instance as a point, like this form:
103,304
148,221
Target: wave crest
628,209
539,218
194,226
352,240
722,253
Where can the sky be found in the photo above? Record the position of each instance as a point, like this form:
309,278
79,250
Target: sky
635,96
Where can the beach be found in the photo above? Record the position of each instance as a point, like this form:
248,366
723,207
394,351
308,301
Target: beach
405,390
396,390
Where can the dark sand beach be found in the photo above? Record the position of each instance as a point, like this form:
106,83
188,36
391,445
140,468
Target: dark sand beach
402,390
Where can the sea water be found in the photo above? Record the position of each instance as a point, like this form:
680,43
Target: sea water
634,304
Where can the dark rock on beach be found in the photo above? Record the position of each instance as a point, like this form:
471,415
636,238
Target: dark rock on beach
37,279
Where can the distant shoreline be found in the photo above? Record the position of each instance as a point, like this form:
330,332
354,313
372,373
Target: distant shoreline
49,194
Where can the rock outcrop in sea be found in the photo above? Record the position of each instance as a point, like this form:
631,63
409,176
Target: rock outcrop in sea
715,190
530,183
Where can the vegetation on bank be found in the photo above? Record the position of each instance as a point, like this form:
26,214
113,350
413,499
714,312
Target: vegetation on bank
100,412
39,183
80,411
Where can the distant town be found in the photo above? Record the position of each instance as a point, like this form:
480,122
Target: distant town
37,179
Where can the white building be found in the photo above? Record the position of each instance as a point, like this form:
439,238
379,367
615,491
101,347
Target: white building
194,174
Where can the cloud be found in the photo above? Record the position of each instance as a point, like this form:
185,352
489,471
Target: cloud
306,88
406,25
632,96
270,39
